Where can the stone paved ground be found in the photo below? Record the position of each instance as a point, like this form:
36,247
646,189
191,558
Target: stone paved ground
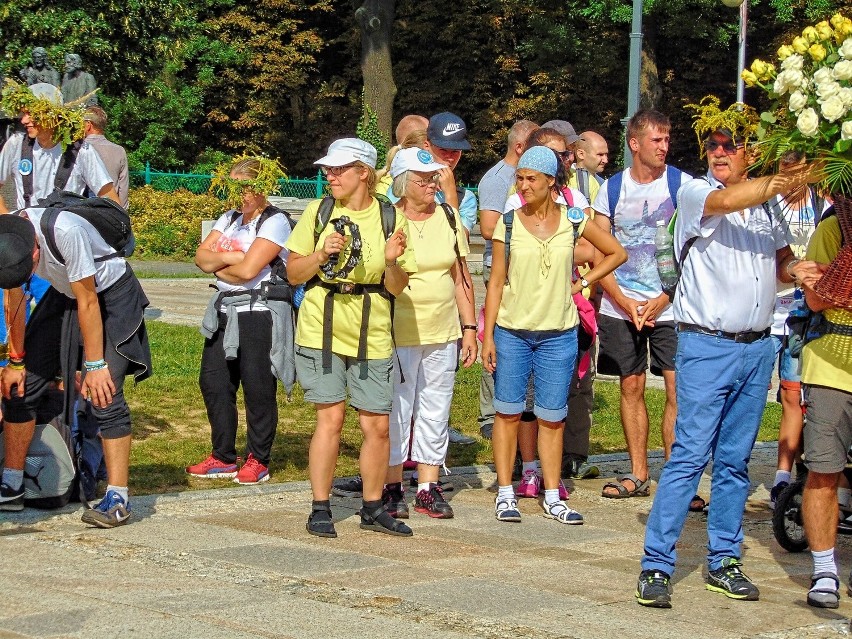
237,563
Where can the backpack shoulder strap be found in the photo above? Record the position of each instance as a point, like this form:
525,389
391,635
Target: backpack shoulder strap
323,216
388,212
613,192
673,180
66,165
508,220
27,145
48,230
582,183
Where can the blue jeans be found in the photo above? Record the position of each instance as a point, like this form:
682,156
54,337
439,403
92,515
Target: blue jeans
788,366
721,394
549,355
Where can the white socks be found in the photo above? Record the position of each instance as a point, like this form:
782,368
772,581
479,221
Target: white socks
531,466
13,478
824,562
505,492
781,475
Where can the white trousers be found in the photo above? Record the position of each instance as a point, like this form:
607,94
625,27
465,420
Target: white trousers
425,396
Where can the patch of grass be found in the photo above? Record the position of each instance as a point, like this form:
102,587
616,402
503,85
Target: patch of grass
171,430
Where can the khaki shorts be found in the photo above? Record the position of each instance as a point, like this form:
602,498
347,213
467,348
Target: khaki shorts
370,383
828,432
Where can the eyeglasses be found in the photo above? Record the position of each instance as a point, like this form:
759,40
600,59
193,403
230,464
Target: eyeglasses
336,171
728,147
429,181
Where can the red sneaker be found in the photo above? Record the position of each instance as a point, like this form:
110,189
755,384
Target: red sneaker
212,468
252,472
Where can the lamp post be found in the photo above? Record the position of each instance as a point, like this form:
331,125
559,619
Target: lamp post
634,71
741,41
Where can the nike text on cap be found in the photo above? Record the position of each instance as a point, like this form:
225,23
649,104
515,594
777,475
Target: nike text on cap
348,150
448,131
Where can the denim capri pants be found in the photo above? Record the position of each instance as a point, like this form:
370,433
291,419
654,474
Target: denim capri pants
549,355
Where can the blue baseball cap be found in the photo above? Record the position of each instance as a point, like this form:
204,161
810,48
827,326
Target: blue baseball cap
448,131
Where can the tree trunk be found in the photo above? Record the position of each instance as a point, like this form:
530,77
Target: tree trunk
650,90
375,19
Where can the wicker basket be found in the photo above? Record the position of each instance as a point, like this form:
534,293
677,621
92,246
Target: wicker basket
836,285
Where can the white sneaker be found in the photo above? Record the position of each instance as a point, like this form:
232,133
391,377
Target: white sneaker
458,438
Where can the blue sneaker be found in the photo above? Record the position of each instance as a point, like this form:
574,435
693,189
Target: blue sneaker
112,511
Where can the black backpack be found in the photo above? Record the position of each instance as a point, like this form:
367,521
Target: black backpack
327,206
110,220
279,268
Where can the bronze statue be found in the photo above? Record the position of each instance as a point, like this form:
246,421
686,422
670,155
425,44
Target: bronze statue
40,69
76,83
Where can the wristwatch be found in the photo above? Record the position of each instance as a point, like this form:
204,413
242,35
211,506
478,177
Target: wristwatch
584,282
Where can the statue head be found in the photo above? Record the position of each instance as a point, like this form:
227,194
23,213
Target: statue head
39,57
72,63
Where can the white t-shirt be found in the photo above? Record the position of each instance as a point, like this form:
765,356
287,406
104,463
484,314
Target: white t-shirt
798,225
79,244
728,277
239,237
89,170
634,226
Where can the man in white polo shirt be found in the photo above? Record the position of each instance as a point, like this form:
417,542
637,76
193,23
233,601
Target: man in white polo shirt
723,308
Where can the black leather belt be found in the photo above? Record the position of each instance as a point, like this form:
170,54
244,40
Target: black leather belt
745,337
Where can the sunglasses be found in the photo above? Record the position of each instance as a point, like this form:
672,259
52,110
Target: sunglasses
728,147
336,170
565,155
429,181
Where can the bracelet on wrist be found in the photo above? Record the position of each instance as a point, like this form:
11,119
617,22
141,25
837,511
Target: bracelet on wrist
95,366
792,263
388,265
468,327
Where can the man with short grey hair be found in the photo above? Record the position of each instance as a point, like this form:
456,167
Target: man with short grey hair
113,155
76,83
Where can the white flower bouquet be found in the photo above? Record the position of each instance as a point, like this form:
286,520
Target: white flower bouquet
812,101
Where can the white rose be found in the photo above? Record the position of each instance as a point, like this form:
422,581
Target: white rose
798,100
822,75
828,90
846,130
780,86
846,96
846,49
808,122
842,70
795,62
833,108
795,78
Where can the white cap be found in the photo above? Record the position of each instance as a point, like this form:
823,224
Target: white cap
348,150
414,159
47,92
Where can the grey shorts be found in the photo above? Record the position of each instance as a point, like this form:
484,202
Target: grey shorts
370,383
828,432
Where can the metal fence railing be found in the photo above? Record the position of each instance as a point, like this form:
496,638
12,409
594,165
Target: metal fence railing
300,188
309,188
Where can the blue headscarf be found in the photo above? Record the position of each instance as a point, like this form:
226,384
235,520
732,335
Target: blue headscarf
539,158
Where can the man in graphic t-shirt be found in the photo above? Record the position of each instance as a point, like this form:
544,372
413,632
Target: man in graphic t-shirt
635,315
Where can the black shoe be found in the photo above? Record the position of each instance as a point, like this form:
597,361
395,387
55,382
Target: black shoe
393,499
379,520
654,589
731,581
11,499
775,492
320,523
349,487
431,502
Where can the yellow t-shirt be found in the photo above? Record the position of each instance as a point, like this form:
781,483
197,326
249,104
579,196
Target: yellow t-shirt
594,185
827,361
347,308
426,311
537,294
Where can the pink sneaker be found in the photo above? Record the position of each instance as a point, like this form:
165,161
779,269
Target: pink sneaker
563,492
252,472
530,484
212,468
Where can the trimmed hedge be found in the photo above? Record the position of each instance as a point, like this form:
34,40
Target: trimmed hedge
169,224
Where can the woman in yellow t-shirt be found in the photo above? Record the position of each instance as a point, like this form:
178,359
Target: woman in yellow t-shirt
426,331
343,336
531,325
